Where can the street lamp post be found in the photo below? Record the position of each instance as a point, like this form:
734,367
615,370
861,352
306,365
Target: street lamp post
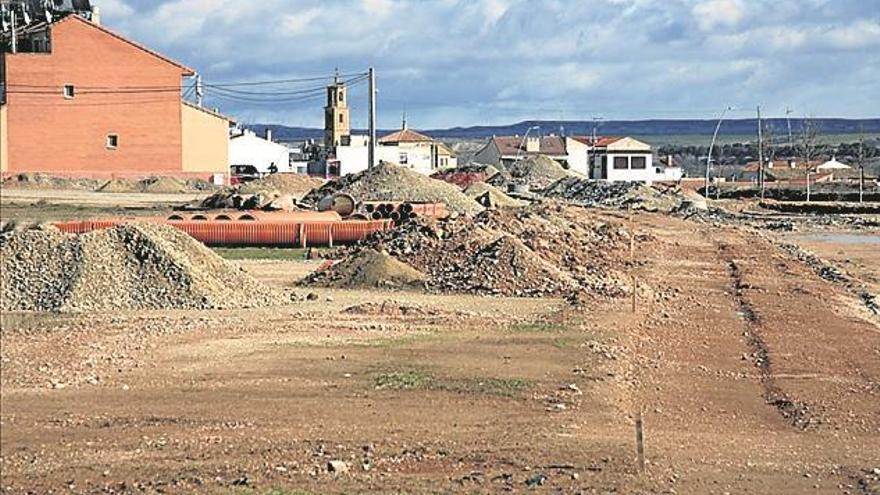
712,147
525,136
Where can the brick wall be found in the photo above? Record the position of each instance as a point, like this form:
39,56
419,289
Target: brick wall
53,134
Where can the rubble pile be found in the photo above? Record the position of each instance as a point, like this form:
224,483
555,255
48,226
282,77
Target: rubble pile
531,251
129,267
535,172
273,192
507,267
491,197
465,175
389,182
368,268
614,194
572,239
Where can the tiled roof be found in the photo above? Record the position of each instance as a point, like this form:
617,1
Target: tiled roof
514,145
208,111
601,141
405,136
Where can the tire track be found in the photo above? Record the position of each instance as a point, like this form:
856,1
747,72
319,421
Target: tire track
796,413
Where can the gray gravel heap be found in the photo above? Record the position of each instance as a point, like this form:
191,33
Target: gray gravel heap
129,267
389,182
613,194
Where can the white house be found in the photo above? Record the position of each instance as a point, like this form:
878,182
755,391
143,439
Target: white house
246,148
405,147
833,164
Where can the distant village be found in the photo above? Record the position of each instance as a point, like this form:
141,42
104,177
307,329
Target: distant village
127,115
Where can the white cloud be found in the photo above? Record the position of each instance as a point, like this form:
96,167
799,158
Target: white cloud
859,34
712,13
115,9
299,23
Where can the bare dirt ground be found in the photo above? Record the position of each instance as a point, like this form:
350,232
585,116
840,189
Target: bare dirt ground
753,375
38,205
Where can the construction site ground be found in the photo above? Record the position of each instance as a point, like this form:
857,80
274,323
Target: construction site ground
758,376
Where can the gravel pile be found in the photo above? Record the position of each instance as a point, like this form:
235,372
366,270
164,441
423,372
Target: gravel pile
613,194
491,197
130,267
389,182
542,249
369,268
273,192
535,172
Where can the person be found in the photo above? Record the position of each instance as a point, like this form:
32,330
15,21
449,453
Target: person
273,169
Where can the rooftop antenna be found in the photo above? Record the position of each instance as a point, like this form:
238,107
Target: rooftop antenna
336,75
403,123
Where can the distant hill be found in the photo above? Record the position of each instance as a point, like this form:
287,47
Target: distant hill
656,127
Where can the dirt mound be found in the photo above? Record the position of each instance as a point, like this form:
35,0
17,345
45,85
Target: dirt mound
614,194
389,182
390,308
491,197
275,192
369,268
535,172
45,181
589,249
506,266
163,185
541,249
465,175
137,266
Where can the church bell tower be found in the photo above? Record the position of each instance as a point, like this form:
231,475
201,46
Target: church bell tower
337,125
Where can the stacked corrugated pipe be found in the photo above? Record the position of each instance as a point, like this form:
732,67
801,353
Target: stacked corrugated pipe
401,212
255,228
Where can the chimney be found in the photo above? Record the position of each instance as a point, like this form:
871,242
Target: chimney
669,161
96,15
268,134
533,144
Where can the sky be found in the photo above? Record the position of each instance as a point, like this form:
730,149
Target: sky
449,63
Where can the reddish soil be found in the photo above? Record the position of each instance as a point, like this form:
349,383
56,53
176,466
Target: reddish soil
753,375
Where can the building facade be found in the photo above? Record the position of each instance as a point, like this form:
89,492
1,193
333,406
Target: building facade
246,148
89,102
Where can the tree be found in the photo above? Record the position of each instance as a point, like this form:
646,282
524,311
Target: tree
809,147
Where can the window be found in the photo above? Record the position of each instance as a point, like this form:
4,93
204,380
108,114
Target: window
621,163
639,163
404,158
112,141
341,97
69,91
341,119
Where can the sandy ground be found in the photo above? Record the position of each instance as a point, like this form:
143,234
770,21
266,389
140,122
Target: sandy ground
752,374
38,205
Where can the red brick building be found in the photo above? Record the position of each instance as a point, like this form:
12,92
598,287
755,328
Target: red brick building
86,101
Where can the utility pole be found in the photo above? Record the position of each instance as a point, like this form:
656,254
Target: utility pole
200,91
788,120
371,159
760,154
861,168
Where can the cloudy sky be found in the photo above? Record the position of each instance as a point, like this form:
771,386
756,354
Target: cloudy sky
472,62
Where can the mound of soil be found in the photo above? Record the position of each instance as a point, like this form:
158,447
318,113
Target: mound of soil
369,268
389,182
45,181
491,197
540,249
536,172
276,192
614,194
129,267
